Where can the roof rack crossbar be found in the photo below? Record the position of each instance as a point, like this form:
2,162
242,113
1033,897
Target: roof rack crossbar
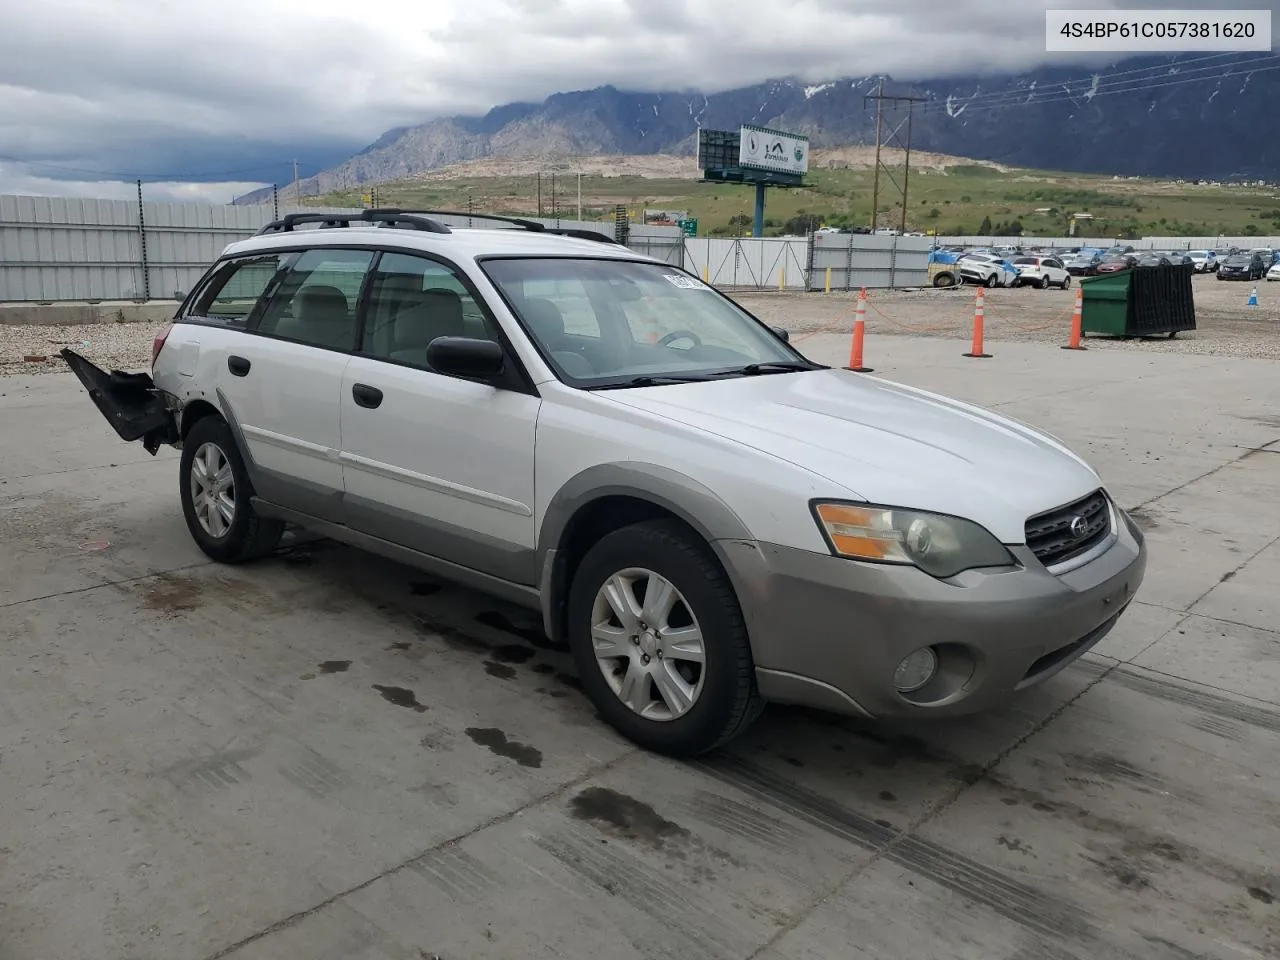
390,218
532,225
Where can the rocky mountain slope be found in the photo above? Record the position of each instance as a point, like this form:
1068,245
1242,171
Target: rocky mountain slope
1173,116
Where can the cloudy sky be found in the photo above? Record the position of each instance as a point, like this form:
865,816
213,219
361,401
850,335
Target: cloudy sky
204,99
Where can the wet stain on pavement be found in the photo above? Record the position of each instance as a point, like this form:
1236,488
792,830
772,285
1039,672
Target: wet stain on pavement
888,797
170,594
402,645
499,744
514,653
532,635
500,670
625,817
569,680
543,668
334,666
1143,518
424,588
1261,895
400,697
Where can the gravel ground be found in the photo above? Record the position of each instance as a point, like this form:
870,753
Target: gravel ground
1225,325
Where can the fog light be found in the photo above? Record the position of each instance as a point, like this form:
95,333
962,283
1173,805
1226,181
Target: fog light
915,670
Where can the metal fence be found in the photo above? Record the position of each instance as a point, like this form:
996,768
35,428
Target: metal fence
1146,243
759,264
64,249
842,261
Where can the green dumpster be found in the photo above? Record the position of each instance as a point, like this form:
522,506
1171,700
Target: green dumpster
1139,302
1104,306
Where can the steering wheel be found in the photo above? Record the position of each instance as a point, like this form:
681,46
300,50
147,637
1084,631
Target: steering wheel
675,335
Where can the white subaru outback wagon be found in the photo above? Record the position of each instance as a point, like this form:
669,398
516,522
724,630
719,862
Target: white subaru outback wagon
707,518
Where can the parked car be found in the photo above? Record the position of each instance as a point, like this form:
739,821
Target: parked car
1176,257
1268,255
1150,258
1274,272
1115,263
1243,266
1204,261
621,448
1118,250
1042,272
1082,264
987,270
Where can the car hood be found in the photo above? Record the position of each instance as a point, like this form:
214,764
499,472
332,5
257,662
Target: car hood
885,443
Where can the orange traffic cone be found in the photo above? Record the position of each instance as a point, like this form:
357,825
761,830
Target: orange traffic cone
859,331
979,315
1077,328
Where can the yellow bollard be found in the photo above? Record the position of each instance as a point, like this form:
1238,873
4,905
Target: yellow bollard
706,274
827,288
782,279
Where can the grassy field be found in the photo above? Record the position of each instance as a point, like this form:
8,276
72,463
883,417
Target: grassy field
955,200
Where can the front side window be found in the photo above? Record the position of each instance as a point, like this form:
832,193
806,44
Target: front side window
235,290
412,301
316,301
603,323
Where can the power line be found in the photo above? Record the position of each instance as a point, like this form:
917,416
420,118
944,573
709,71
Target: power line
1101,83
1103,92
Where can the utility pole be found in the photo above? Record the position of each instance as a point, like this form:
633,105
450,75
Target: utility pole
883,140
539,193
579,196
875,170
297,187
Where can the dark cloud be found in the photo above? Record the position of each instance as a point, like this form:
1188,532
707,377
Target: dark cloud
147,87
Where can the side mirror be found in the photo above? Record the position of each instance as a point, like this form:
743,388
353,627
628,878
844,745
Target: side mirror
782,334
465,357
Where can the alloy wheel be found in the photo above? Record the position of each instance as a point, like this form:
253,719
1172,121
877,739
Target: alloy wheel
213,490
648,644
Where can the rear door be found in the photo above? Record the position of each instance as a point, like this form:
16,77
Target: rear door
278,367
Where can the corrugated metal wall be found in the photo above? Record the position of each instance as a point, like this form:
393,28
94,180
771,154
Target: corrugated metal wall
869,260
57,248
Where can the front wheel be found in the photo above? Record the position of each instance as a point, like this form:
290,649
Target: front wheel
992,280
216,497
1067,282
660,641
1044,282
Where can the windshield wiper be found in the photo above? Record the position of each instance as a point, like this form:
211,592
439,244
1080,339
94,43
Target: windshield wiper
777,366
654,380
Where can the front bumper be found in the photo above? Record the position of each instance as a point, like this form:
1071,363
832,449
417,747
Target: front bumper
827,632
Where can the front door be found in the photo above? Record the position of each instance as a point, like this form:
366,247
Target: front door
435,463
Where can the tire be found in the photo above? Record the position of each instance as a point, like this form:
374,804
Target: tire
1066,284
992,281
247,536
943,280
1044,282
724,698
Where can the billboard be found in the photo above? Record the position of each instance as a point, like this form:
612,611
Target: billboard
764,149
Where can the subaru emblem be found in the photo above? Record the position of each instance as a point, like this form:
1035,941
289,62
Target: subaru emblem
1078,527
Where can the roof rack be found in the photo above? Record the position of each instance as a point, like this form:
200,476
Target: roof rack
531,225
389,218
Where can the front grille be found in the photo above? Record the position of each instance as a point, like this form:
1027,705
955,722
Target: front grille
1050,535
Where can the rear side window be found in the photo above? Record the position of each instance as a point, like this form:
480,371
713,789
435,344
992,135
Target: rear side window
316,301
235,290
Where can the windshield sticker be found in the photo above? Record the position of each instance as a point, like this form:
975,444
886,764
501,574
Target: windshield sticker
681,281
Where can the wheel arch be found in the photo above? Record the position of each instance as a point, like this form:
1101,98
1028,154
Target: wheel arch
607,497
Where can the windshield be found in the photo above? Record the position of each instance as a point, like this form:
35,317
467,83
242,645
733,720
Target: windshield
611,322
1027,261
1238,261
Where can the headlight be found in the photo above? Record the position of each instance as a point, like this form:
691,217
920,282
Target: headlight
939,545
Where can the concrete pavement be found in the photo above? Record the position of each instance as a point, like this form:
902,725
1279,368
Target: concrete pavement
326,755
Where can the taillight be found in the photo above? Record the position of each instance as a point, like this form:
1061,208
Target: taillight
158,343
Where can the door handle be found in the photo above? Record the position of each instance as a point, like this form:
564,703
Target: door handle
366,396
238,366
